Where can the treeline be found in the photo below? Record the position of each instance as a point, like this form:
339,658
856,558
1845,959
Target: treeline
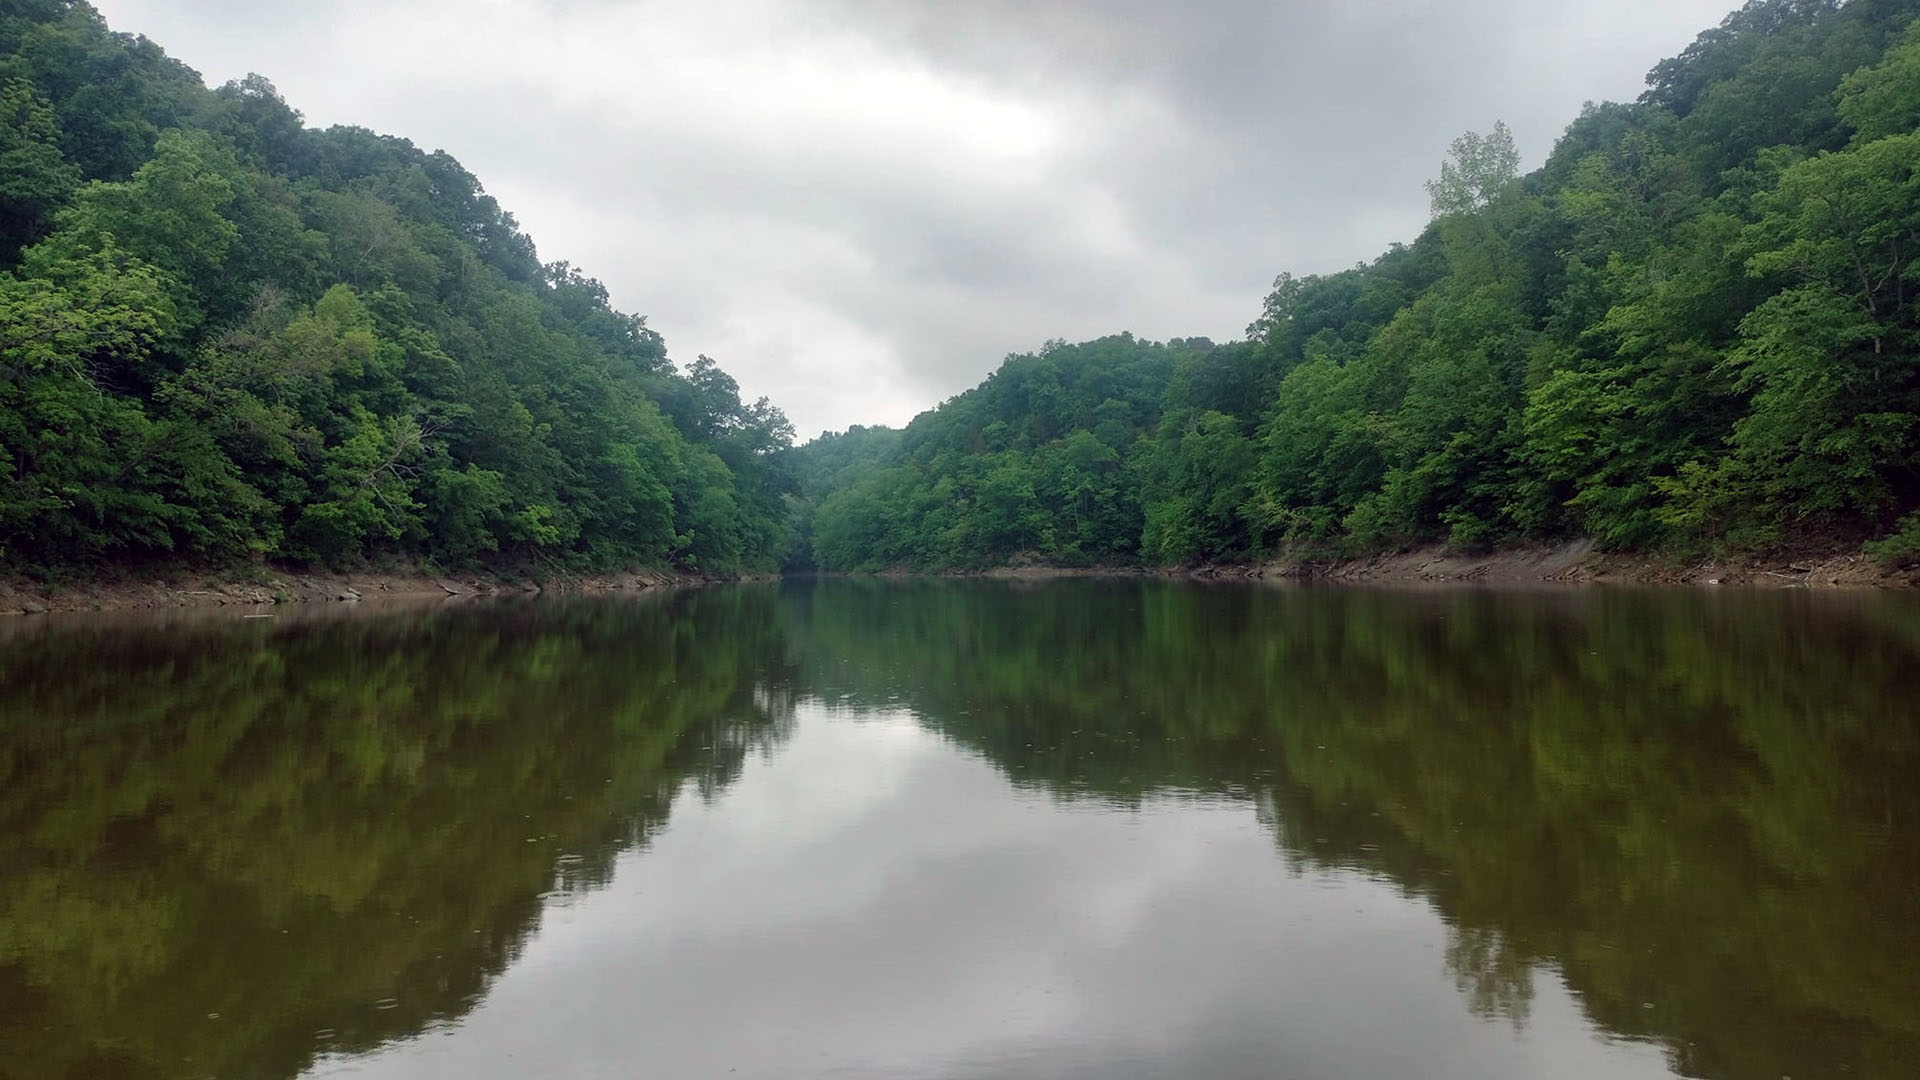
1693,329
226,336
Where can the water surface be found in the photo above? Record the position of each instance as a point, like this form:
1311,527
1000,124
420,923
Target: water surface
931,829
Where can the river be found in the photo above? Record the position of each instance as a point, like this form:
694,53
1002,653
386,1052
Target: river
932,829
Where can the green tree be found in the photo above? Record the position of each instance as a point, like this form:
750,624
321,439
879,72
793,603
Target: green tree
35,180
1884,99
1478,168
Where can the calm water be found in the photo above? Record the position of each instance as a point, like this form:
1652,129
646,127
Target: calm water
880,829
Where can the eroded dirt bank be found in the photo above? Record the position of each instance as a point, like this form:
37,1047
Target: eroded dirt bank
1567,564
1578,563
263,587
1574,563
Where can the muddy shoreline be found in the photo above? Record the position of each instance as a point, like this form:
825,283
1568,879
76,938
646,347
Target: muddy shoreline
1570,564
266,588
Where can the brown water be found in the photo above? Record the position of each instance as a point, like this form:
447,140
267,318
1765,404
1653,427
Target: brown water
925,829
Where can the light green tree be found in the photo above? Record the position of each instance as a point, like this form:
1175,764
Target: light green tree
1478,168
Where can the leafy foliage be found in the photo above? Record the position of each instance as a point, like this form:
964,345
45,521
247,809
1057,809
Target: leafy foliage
1477,169
224,335
1040,463
1694,327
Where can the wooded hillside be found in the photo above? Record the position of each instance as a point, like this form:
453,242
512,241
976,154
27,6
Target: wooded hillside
1691,330
226,336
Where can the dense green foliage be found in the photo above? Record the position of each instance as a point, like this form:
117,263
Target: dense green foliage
1034,459
224,335
1693,328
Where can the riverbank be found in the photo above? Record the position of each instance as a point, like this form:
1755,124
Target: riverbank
269,586
1578,563
1573,563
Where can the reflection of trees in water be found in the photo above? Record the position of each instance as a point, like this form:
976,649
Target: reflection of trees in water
1701,804
725,743
1699,810
1496,979
335,834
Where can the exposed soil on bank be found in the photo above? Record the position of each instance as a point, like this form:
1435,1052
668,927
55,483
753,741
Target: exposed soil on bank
1578,563
1575,563
264,587
1566,564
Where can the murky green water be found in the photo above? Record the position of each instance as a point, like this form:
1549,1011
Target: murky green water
879,829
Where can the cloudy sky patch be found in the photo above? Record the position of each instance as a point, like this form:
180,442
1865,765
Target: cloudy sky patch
859,207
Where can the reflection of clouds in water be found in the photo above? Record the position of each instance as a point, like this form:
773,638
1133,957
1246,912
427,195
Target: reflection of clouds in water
870,903
840,775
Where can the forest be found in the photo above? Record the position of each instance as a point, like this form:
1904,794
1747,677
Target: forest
1690,331
225,337
229,338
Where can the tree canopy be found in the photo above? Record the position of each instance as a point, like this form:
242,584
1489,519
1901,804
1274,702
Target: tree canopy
225,335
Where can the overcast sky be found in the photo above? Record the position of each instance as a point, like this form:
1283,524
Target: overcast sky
859,207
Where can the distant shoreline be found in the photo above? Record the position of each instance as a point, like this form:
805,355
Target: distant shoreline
1572,564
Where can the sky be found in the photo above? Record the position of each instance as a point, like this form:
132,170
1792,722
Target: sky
860,207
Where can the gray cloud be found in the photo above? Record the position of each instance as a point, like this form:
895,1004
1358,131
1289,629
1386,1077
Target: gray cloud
859,206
